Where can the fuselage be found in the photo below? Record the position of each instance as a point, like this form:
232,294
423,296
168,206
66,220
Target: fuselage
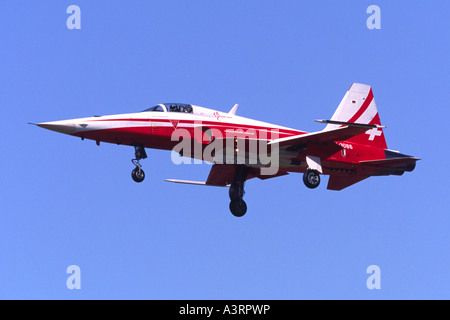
155,129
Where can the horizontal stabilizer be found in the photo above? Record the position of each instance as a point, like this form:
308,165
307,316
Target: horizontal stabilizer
341,182
390,162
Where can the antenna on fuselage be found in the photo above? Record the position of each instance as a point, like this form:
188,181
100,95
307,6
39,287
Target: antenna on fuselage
234,109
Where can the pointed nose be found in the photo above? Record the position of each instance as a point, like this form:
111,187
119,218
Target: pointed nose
58,126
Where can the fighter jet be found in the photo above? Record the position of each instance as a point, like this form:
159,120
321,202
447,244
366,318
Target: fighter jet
352,146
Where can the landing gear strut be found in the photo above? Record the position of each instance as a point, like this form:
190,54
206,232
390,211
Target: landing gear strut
238,207
138,174
311,178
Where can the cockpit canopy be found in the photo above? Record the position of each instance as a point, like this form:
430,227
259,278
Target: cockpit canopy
171,107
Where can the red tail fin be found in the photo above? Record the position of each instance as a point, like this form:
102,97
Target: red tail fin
358,106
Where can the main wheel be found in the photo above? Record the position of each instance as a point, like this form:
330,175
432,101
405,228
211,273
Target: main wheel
238,208
311,178
138,175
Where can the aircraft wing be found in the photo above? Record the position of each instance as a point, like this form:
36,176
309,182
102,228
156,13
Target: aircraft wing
338,134
221,175
197,183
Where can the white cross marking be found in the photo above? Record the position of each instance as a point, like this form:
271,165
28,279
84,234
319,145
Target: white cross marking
374,132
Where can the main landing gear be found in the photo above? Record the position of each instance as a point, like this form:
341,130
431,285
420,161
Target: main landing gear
138,174
238,207
311,178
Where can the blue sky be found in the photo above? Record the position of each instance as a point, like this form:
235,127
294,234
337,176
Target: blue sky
67,202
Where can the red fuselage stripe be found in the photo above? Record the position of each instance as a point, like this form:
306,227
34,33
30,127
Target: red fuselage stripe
209,123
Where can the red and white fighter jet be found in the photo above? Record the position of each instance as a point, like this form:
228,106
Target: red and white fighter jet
351,148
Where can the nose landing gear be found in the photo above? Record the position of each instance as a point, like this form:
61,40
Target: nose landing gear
138,174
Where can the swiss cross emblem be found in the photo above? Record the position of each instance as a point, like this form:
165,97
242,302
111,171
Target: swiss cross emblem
374,133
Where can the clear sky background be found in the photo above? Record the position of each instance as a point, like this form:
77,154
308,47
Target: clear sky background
68,202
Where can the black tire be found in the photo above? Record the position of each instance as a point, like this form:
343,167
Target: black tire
138,175
311,178
238,208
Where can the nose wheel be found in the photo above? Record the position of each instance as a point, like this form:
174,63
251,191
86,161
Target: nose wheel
138,174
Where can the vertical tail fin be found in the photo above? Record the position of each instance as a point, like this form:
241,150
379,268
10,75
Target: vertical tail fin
358,106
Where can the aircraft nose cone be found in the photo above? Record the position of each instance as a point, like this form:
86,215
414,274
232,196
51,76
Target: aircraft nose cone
58,126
